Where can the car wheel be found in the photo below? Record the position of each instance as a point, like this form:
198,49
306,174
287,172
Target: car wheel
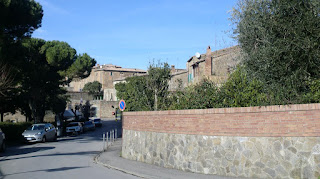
3,147
44,139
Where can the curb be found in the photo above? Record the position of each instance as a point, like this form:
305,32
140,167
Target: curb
96,160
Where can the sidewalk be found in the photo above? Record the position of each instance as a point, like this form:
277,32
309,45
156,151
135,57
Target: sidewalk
111,159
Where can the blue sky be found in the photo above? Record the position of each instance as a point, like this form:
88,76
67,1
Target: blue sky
131,33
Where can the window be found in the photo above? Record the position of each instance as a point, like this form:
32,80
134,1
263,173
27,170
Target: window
195,70
110,73
190,77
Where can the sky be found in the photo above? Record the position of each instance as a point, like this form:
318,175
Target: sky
135,33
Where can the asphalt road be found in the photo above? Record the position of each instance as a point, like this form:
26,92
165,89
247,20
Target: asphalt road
69,157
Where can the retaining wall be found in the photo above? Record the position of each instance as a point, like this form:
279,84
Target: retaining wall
103,108
259,142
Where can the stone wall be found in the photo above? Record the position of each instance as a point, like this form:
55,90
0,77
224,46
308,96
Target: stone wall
78,95
103,109
216,65
178,81
259,142
110,94
18,117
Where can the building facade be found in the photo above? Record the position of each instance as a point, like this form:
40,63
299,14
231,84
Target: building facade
106,75
179,79
215,66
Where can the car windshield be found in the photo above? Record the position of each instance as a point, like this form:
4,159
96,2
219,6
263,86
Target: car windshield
36,127
87,123
72,124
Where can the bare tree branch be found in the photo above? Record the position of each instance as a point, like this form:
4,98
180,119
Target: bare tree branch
6,79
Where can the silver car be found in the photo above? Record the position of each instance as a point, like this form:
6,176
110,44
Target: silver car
40,133
2,141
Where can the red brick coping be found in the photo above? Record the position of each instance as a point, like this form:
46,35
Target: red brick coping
299,120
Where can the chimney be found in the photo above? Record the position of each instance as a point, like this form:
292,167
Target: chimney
208,63
173,69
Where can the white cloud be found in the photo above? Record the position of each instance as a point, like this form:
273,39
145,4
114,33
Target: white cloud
41,31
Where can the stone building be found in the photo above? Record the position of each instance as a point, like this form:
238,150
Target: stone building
179,79
216,65
106,75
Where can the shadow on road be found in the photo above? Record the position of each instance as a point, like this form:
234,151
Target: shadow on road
22,151
107,126
48,155
47,170
13,153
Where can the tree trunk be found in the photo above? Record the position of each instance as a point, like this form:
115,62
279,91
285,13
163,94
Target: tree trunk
156,100
37,112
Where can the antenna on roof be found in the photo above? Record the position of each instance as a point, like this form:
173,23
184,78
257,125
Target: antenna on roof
198,55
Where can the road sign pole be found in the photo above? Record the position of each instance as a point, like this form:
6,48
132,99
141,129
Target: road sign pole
103,141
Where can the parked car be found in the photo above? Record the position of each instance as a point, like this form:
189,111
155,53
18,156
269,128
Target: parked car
40,133
74,128
2,141
89,126
97,122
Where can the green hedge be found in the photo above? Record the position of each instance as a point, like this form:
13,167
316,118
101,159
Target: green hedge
13,131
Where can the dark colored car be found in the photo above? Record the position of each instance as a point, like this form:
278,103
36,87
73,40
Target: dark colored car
97,122
2,141
89,126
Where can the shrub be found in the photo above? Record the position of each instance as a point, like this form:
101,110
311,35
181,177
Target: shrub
240,91
280,40
199,96
13,131
313,96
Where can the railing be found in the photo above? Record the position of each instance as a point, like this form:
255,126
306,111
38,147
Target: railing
108,138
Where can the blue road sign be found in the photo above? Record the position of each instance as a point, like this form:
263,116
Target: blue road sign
122,105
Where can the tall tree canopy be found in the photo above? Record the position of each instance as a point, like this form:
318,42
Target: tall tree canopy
92,87
36,69
148,92
280,40
158,82
81,67
136,94
46,64
19,18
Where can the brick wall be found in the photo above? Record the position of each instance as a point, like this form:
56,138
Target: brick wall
208,62
268,121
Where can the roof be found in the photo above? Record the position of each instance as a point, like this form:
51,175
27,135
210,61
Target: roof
111,67
179,73
220,52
